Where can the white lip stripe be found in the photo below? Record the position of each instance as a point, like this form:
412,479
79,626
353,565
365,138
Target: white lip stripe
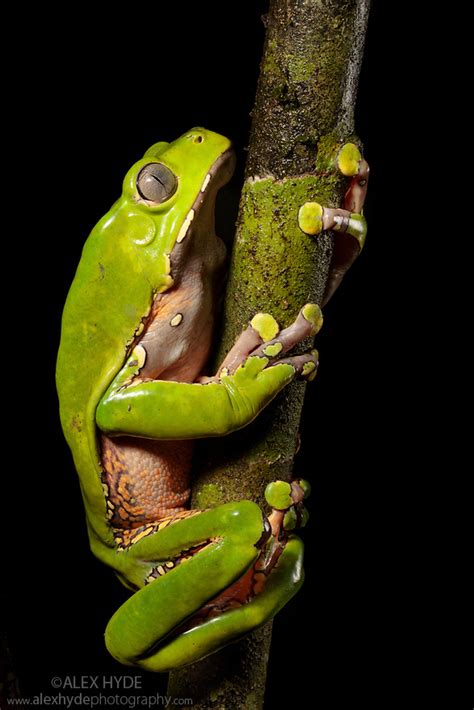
186,224
206,182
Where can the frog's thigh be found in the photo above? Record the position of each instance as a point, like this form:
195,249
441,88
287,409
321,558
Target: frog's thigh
231,530
283,582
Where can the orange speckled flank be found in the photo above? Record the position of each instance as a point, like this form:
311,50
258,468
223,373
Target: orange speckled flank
126,537
146,480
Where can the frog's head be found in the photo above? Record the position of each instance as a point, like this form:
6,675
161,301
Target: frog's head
168,201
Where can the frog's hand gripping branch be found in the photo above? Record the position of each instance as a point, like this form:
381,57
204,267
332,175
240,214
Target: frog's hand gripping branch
348,222
250,377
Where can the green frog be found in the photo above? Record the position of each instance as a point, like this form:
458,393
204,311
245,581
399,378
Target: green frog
137,330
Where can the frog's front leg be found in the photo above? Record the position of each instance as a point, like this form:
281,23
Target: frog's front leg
202,586
348,223
248,380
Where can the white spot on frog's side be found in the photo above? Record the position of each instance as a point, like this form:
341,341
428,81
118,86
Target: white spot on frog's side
186,224
206,182
177,319
139,353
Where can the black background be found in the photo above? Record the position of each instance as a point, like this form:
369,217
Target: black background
94,95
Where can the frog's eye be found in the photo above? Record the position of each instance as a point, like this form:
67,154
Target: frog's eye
156,182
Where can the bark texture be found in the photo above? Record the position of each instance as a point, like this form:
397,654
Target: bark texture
303,113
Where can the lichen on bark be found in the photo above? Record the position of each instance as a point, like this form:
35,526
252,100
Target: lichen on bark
303,112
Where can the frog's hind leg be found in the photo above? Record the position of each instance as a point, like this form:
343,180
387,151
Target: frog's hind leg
222,628
253,598
207,552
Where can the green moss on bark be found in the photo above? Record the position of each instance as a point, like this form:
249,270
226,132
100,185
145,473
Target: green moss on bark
209,495
275,268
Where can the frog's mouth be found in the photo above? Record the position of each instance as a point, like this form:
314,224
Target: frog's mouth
224,165
223,168
219,175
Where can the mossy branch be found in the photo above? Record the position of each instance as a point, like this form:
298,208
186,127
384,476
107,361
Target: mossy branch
304,110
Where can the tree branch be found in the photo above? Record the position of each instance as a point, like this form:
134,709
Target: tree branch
303,111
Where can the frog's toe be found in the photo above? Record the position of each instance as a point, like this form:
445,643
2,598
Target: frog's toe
295,517
305,366
349,159
304,485
265,325
278,495
308,322
286,500
262,328
281,495
310,218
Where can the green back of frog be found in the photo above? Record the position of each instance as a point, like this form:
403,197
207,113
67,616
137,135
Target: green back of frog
124,264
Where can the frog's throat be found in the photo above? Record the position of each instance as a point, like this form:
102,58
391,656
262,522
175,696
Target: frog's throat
219,175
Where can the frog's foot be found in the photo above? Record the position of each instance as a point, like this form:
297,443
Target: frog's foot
251,601
263,339
286,500
348,222
276,575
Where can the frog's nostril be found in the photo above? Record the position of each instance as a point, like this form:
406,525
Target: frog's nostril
198,139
